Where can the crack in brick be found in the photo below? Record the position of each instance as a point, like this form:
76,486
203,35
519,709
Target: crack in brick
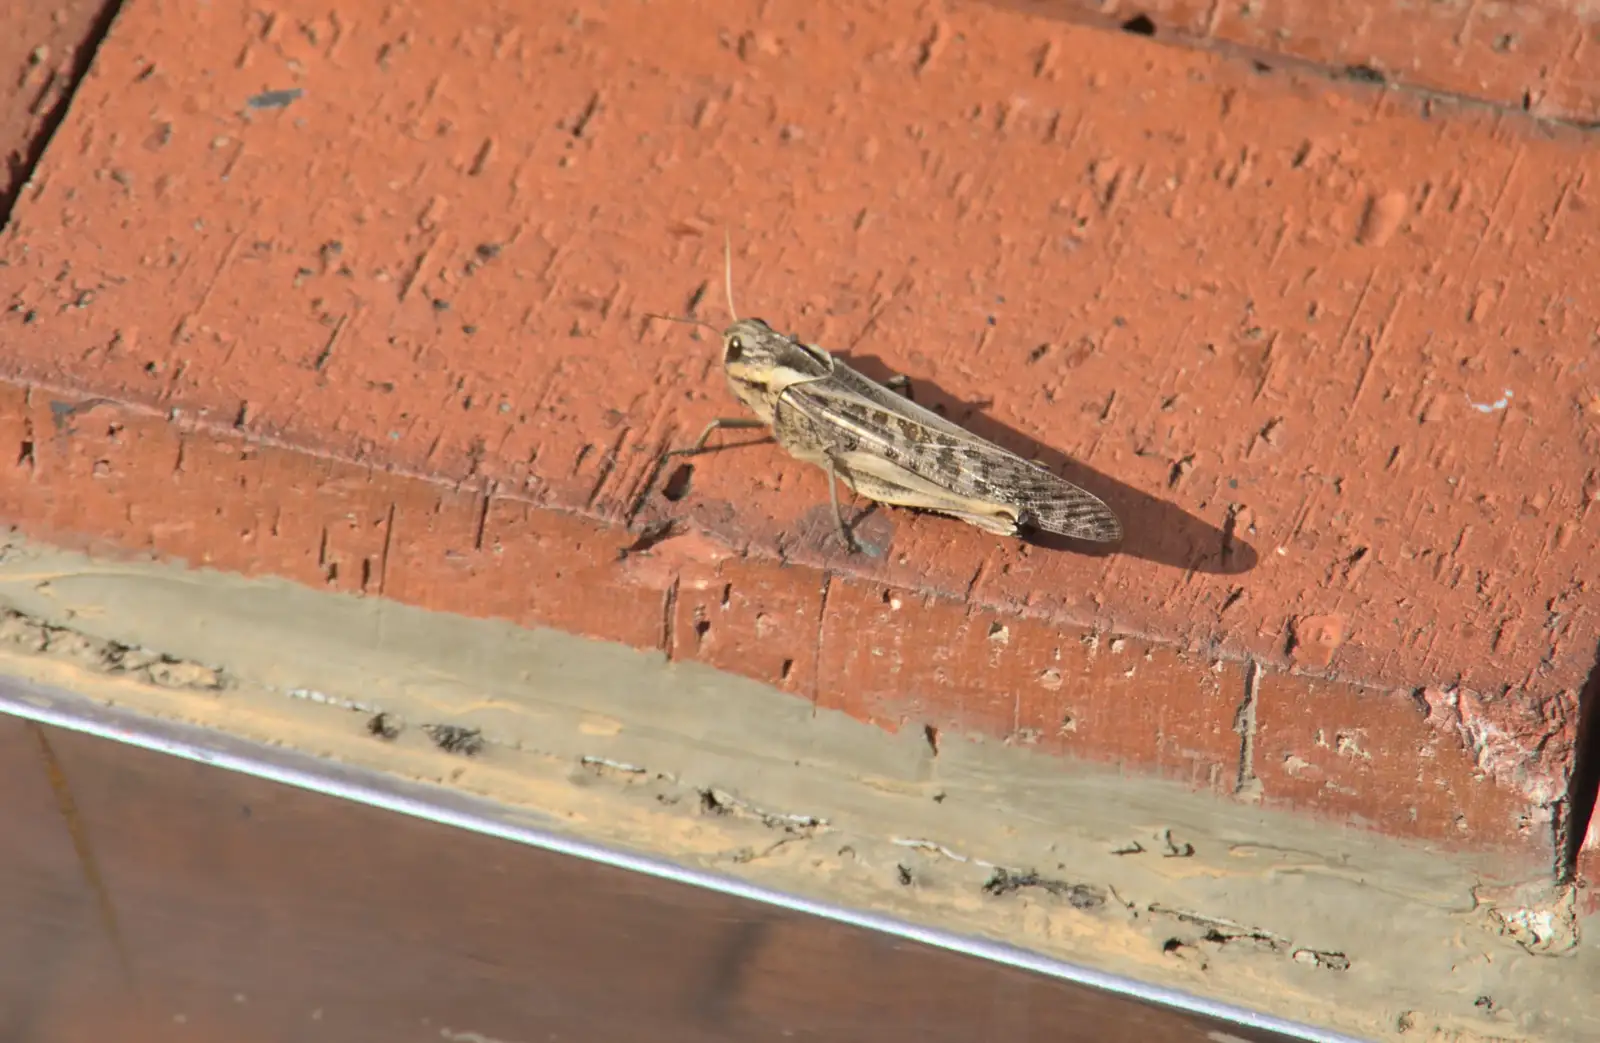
1363,75
608,467
1246,785
817,646
669,612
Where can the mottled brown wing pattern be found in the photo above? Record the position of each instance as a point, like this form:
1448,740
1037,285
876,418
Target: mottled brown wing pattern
849,413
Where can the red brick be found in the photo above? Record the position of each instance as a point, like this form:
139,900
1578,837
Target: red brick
1380,759
897,658
752,618
1536,56
41,47
1224,335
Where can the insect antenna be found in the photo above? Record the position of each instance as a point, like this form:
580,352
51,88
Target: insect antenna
685,321
727,282
727,271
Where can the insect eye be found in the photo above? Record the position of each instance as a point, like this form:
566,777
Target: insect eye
735,349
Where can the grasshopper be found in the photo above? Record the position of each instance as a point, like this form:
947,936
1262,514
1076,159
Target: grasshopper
884,446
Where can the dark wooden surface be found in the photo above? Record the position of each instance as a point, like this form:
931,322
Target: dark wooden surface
146,897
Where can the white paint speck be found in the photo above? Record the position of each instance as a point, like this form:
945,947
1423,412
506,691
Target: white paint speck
1492,407
466,1036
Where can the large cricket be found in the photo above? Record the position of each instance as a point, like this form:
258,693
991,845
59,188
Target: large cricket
885,447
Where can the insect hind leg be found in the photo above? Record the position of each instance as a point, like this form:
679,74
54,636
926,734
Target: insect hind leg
838,515
900,383
886,483
999,524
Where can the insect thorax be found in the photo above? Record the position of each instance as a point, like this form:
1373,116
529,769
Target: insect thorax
762,363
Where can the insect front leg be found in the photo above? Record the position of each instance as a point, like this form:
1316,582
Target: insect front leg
732,422
698,447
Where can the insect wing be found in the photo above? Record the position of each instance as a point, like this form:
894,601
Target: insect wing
863,415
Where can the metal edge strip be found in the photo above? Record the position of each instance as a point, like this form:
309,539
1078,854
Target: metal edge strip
64,709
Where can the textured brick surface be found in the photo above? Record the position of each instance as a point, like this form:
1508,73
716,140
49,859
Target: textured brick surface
1321,345
41,48
1435,767
1383,759
890,652
1538,57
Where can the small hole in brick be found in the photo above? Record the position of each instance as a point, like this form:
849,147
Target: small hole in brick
786,670
677,486
702,627
1139,25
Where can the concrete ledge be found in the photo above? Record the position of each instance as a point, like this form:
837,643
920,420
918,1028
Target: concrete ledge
620,747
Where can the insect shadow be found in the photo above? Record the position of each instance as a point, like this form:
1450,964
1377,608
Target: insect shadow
1152,528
